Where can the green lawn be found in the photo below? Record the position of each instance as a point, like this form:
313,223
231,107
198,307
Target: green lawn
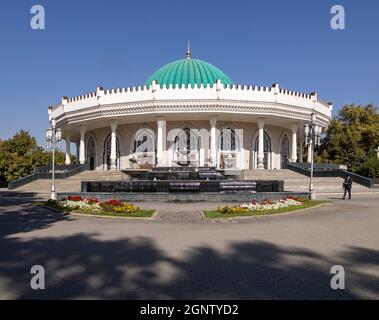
137,214
305,204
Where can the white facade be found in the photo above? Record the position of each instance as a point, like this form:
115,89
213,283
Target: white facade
227,126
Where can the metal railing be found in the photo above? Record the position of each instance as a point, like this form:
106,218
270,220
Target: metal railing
44,172
58,167
329,170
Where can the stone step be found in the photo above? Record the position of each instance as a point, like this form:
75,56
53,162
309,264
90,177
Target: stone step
73,183
321,188
296,181
292,181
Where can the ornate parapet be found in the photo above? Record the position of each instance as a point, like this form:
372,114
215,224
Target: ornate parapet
205,98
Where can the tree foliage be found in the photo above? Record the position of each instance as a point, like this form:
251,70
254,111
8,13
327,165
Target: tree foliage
352,136
20,154
369,168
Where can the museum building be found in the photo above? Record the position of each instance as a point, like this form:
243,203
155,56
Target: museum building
189,113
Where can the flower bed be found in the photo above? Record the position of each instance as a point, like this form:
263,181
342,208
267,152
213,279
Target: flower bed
262,207
94,206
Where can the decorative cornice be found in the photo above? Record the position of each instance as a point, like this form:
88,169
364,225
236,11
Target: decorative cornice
183,106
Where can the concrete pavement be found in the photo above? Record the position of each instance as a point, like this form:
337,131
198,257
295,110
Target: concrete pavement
276,257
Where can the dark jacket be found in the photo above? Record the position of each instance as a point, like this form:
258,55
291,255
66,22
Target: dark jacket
347,183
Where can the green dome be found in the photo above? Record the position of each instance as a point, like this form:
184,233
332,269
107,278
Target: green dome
188,72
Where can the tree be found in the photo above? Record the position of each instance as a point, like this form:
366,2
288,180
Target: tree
16,156
20,154
2,178
352,136
370,168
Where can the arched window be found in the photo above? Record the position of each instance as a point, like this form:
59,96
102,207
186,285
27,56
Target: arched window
185,141
143,149
284,151
144,142
107,153
228,147
228,140
266,143
186,148
91,153
266,149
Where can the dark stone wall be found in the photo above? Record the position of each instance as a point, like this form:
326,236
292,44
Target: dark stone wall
209,197
183,186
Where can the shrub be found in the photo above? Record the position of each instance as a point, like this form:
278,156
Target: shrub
52,202
369,168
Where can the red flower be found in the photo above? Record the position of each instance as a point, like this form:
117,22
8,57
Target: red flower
113,202
92,200
75,198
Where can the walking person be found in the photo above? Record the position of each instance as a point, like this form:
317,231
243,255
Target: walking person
347,184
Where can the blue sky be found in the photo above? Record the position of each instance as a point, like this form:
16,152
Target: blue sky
117,43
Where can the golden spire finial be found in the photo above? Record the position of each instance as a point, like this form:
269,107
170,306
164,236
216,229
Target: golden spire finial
188,51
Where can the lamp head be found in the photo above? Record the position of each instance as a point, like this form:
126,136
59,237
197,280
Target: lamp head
306,129
58,135
48,134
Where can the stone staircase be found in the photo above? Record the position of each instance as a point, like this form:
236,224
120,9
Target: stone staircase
42,187
294,181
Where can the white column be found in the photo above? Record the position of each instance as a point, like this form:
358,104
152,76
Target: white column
213,146
161,142
241,150
204,146
68,151
82,157
260,157
113,146
201,152
294,142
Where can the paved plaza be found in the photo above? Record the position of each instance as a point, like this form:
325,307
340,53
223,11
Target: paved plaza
181,255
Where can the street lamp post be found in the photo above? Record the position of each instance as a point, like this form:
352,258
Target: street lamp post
312,138
53,139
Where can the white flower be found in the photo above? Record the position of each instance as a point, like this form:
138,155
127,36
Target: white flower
82,205
263,205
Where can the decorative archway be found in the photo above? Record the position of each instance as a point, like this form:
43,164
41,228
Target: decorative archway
228,149
284,151
107,153
186,148
267,151
144,153
91,153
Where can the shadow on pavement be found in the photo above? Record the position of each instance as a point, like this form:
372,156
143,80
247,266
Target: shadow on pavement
85,266
20,216
80,266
